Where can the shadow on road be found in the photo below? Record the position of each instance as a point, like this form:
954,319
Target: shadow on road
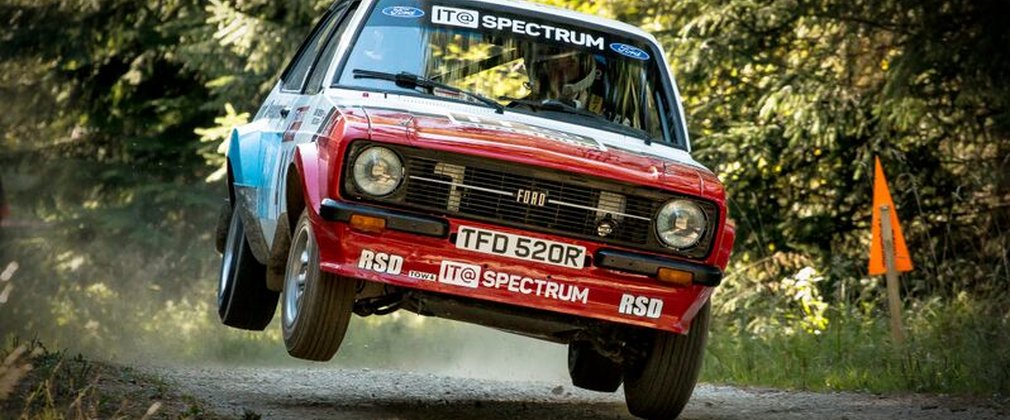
466,409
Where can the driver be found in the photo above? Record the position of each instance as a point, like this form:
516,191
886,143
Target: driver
568,76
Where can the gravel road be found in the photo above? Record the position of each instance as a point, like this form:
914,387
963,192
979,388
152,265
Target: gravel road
307,393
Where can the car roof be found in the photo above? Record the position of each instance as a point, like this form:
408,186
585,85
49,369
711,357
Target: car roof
553,10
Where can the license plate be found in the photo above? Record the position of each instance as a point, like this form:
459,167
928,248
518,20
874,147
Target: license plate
521,247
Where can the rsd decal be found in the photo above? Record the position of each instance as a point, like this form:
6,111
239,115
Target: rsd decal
380,262
641,306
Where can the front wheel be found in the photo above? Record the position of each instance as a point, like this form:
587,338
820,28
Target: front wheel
243,300
660,385
317,305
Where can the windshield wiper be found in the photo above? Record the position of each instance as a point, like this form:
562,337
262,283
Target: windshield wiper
412,81
559,106
547,105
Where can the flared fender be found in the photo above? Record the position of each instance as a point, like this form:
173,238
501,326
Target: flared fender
246,146
312,175
724,248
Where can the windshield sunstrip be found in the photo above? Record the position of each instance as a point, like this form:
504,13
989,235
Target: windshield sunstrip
487,19
466,18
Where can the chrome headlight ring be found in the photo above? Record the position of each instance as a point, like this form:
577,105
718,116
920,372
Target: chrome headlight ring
681,224
377,171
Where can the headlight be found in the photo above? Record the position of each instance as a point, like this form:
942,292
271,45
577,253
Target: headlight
378,171
681,224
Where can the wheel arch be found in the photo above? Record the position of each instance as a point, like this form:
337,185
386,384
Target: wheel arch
294,192
305,182
245,177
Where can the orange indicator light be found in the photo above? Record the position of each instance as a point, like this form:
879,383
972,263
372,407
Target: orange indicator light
680,278
368,223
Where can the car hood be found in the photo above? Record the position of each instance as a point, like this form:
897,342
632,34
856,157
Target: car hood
528,140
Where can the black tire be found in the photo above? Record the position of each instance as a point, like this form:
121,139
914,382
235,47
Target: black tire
243,300
321,311
223,226
659,386
591,370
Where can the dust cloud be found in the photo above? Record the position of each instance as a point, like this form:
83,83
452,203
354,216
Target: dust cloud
456,349
80,290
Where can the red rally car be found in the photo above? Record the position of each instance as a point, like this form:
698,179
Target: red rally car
502,163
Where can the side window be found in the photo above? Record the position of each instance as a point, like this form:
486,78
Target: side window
315,83
294,76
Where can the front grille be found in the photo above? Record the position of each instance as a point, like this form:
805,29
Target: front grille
530,198
566,207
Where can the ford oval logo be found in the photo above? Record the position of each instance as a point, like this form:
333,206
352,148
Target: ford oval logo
630,51
403,12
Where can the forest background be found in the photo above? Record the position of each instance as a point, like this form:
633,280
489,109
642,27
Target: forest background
114,112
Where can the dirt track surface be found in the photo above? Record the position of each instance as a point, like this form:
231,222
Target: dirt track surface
305,393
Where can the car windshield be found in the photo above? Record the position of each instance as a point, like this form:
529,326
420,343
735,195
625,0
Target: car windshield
549,68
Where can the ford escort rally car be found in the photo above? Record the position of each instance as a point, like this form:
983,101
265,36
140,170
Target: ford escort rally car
502,163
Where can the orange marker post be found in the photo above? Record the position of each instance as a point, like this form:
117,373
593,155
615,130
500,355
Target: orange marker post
888,253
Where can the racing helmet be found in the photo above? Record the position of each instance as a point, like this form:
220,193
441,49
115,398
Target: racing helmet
560,73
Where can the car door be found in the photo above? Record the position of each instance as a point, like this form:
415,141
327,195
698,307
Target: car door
312,107
285,112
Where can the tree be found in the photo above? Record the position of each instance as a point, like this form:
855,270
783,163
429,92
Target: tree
790,100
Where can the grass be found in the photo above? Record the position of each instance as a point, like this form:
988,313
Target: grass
953,347
36,383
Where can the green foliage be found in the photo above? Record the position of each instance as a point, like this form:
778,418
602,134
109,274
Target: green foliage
778,295
953,348
104,170
219,135
117,110
790,101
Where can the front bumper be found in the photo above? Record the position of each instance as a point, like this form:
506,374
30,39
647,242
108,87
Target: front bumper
418,251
